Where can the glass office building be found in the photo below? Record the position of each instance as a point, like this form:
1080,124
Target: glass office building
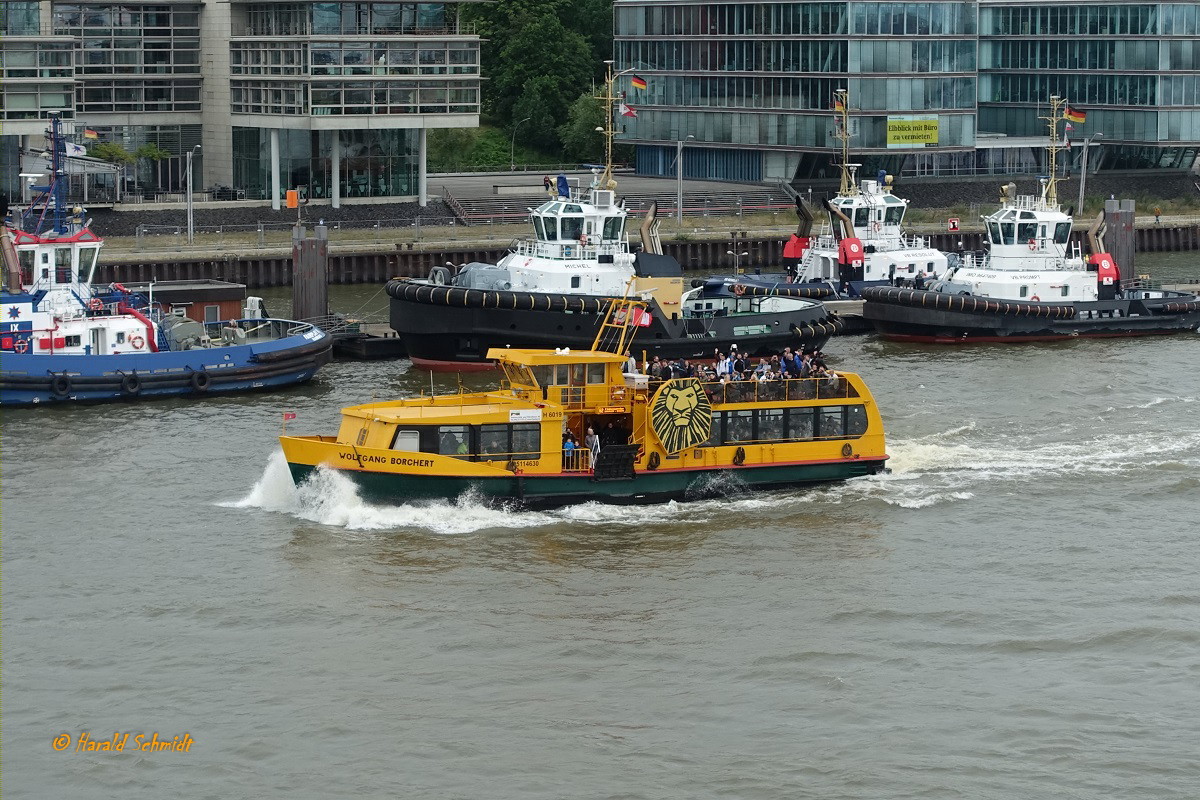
333,98
936,88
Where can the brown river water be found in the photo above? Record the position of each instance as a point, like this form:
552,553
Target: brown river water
1010,612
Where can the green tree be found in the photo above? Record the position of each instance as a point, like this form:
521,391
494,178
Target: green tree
539,97
580,139
539,47
112,152
450,148
155,155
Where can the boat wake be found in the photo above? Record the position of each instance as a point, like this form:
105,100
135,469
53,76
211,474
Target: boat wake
328,498
947,466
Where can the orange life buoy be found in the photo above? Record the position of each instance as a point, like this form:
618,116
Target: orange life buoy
876,227
1033,244
21,345
739,289
1035,299
95,304
137,342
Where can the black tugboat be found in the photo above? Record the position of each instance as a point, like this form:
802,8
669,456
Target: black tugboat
549,290
1033,283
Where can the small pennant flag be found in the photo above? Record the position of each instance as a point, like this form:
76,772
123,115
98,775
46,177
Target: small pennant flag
1075,115
1070,127
637,83
88,133
289,415
626,111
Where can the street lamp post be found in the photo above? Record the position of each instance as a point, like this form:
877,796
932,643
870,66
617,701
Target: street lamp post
1087,145
736,260
679,177
190,215
512,147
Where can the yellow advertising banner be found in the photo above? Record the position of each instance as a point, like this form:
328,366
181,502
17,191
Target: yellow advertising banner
909,131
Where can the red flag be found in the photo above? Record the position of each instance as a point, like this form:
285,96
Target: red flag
626,111
289,415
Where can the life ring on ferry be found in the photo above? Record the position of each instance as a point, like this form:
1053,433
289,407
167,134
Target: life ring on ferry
739,289
61,385
200,381
131,384
875,226
21,345
739,457
1033,244
654,461
1035,299
137,342
95,304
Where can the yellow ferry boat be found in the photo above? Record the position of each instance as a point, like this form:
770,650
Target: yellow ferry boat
661,440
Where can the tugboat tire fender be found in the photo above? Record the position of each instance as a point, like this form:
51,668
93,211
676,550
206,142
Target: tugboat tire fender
200,381
739,457
926,299
654,461
60,385
131,384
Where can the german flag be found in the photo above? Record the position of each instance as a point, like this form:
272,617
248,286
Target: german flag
637,83
88,133
838,105
1075,115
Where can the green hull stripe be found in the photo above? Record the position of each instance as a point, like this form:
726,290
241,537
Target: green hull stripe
393,488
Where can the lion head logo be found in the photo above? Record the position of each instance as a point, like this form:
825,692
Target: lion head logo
681,414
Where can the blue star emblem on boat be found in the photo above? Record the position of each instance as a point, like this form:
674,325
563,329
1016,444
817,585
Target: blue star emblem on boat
14,312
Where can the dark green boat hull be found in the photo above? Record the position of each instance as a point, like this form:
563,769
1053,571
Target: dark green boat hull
558,490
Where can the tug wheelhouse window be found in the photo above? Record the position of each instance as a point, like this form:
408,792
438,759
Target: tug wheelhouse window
1062,232
572,228
861,217
1027,231
894,215
87,257
612,228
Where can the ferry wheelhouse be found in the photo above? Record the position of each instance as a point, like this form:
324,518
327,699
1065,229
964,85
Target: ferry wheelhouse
682,438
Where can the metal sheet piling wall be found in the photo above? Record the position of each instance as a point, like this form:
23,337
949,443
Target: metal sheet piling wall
697,256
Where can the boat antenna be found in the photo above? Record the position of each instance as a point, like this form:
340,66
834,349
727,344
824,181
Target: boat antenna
841,131
1050,191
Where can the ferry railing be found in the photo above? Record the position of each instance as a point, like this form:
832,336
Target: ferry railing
789,389
577,460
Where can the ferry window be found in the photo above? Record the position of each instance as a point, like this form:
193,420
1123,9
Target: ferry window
493,443
612,228
561,374
856,420
1027,231
72,341
1024,291
518,375
544,375
739,426
1009,230
595,373
770,424
929,267
799,424
572,227
577,373
829,422
714,433
454,440
87,257
1066,290
575,281
1062,232
409,441
526,440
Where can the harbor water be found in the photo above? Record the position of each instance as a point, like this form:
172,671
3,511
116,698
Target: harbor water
1010,612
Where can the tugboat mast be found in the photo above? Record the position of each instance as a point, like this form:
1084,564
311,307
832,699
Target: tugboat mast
841,130
1050,191
609,99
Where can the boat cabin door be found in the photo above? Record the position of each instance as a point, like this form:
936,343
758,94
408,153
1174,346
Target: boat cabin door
99,341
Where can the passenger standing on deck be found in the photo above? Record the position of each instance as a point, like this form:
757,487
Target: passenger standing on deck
592,442
631,365
546,182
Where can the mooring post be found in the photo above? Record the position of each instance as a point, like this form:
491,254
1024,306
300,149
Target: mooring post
310,273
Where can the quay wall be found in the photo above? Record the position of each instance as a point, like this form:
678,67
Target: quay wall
376,265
